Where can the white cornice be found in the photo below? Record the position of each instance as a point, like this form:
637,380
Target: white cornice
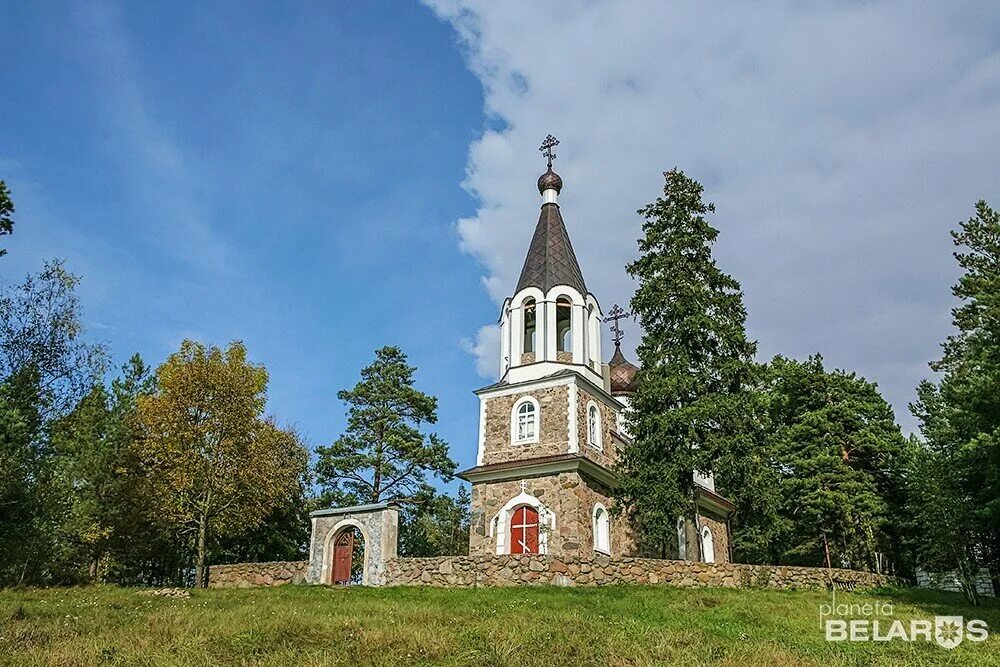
579,464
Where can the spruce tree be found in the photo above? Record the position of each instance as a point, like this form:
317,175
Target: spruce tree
960,414
693,407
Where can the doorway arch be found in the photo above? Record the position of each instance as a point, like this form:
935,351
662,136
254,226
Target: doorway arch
347,566
346,546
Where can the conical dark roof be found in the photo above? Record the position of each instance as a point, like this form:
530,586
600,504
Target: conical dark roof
551,260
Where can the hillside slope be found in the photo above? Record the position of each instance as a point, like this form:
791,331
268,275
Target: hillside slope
298,625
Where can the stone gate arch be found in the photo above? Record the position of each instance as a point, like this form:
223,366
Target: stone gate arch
378,524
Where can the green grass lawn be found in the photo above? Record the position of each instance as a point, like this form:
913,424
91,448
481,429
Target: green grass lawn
312,625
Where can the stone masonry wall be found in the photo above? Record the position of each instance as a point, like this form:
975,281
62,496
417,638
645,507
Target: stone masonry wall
247,575
556,492
553,434
486,571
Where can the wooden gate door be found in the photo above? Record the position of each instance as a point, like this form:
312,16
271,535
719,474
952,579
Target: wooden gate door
343,551
524,531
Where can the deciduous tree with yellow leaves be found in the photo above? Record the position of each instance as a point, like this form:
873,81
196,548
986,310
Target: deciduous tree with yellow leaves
214,462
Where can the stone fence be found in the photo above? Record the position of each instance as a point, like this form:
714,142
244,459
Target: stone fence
949,581
466,571
247,575
489,571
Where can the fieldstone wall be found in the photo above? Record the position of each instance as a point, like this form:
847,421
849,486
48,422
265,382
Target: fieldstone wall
485,571
567,495
949,581
553,431
247,575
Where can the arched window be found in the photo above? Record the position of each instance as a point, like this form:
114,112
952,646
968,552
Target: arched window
524,421
594,426
530,325
707,545
564,329
681,539
602,529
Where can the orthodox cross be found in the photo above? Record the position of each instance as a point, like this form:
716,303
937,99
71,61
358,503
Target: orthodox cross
546,148
616,314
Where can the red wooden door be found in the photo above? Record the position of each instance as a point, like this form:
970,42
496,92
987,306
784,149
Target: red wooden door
524,531
343,551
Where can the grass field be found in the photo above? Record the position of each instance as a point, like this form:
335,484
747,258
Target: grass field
300,625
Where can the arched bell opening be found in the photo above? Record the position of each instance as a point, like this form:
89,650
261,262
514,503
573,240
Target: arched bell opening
564,325
530,317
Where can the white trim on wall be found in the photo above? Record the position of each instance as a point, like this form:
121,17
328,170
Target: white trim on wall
481,451
326,573
573,433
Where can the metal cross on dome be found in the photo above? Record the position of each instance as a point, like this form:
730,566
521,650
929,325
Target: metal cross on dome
546,148
617,313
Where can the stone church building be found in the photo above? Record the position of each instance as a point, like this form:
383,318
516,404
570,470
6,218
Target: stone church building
550,429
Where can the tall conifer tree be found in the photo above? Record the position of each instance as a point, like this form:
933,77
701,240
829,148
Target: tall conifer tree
960,415
693,406
383,454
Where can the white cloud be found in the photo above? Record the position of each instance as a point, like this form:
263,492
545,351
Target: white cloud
839,143
486,349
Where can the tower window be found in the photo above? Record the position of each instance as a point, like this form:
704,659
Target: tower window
524,426
594,426
530,325
564,330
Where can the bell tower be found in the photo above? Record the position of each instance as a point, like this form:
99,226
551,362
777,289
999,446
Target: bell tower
548,434
552,321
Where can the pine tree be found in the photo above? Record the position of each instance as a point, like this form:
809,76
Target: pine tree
840,457
960,415
383,454
693,407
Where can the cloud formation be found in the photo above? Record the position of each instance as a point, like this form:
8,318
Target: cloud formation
839,143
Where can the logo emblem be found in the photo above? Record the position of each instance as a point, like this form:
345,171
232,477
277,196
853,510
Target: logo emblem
948,630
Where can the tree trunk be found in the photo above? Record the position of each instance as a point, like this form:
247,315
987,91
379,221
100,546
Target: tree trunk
199,570
826,549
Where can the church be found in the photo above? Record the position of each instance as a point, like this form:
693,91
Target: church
550,429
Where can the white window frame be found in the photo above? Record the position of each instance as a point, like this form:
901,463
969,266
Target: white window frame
707,545
601,511
514,421
596,438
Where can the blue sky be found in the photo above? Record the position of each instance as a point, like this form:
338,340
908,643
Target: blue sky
287,176
320,179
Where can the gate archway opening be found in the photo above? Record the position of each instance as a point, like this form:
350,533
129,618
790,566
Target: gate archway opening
347,566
